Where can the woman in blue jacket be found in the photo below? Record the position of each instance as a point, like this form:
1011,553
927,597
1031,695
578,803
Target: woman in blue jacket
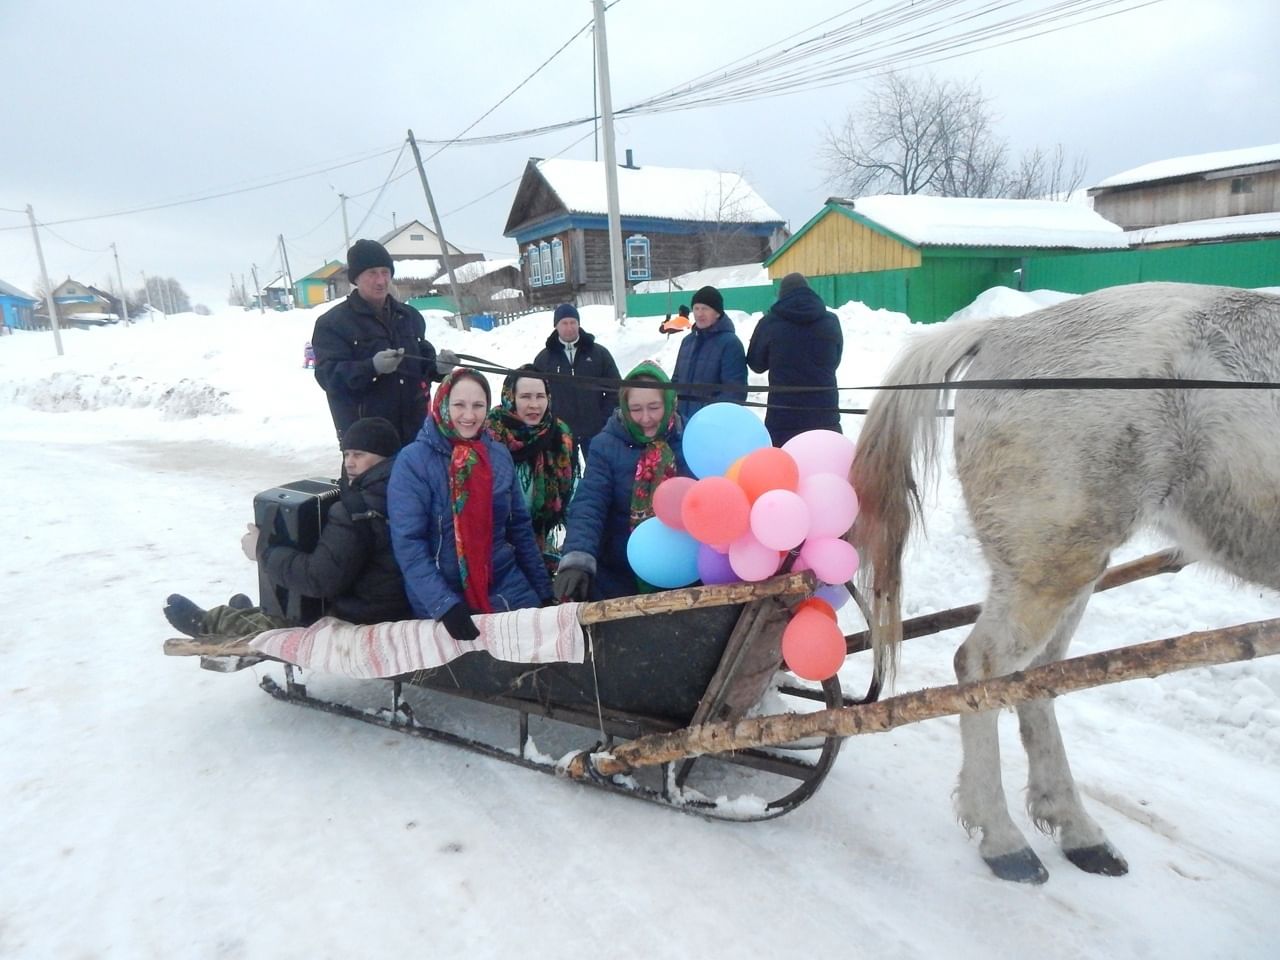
459,525
638,448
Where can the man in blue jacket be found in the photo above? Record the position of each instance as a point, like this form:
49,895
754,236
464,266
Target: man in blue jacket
799,342
710,353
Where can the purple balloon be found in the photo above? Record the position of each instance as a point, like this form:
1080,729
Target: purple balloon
713,567
835,594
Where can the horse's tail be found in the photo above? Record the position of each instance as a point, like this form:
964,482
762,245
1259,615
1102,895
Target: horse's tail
900,438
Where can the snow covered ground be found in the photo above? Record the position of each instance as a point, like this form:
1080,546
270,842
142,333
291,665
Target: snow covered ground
150,809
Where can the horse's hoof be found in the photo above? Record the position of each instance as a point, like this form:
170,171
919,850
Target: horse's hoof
1021,866
1101,858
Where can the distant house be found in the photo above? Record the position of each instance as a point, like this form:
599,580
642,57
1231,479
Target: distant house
929,256
17,309
417,254
486,286
1207,186
673,221
415,239
82,305
320,286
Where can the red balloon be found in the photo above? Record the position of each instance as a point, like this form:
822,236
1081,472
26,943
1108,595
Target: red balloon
667,499
715,510
813,646
818,604
767,469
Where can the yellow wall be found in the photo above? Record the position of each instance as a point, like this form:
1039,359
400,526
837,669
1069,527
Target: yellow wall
836,244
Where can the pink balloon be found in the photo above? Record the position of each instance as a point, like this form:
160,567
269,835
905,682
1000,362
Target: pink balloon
780,519
752,560
821,451
813,646
831,501
832,560
714,567
667,498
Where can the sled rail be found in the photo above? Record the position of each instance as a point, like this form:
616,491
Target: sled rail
1155,658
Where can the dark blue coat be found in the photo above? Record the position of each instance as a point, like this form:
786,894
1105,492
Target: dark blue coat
799,342
423,539
584,408
713,355
346,338
599,522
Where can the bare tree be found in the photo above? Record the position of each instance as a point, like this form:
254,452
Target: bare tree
725,213
927,135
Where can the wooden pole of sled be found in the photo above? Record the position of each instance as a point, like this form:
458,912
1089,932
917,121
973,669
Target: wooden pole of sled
1166,561
1205,648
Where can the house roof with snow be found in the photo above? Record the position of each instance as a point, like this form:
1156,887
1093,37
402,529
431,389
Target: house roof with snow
557,189
1192,167
419,268
8,290
473,271
325,272
1220,228
414,239
919,221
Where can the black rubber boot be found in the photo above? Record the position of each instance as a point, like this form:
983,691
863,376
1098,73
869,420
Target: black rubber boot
184,615
239,601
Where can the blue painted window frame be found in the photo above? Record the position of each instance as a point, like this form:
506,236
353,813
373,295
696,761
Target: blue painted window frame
637,257
535,266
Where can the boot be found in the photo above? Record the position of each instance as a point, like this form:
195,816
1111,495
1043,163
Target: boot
184,615
239,601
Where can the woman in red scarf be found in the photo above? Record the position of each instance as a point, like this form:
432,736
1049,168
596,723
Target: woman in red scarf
638,448
459,525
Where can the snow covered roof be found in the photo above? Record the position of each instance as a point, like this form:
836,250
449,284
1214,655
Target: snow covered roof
672,193
1219,228
1192,165
418,268
469,272
8,290
740,275
973,222
507,293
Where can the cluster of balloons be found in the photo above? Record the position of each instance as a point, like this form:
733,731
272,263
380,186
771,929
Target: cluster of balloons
750,505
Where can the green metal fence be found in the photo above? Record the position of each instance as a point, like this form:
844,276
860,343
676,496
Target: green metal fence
1245,263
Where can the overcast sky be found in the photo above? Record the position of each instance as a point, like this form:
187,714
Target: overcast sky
114,108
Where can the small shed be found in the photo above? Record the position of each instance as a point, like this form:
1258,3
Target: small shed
929,256
321,285
17,309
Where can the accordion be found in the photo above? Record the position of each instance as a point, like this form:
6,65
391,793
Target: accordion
292,515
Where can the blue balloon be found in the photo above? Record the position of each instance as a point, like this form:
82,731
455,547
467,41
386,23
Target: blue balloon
719,434
662,556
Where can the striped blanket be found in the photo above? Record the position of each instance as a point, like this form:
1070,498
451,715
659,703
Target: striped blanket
541,635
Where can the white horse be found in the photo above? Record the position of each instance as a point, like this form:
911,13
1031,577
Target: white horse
1054,481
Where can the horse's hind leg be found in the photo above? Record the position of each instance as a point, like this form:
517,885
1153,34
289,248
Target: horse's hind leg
1052,798
1018,621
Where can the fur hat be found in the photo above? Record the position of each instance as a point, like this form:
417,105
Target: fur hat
710,296
365,254
372,435
792,281
565,310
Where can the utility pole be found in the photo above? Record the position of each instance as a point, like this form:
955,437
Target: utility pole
146,288
48,288
124,307
346,231
435,218
257,289
288,274
610,170
595,99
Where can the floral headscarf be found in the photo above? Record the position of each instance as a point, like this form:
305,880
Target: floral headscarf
657,461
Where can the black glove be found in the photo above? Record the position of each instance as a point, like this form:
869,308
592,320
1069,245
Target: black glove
550,602
457,620
572,584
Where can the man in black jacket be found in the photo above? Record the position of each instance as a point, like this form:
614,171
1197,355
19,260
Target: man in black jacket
352,567
571,351
799,342
372,355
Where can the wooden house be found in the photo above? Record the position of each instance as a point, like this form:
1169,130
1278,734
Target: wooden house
673,221
320,286
82,305
17,309
487,286
929,256
1207,186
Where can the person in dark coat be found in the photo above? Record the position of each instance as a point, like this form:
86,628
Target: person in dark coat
638,449
352,566
571,351
459,525
799,342
372,355
710,353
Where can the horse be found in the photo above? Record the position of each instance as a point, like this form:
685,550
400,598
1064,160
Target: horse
1053,482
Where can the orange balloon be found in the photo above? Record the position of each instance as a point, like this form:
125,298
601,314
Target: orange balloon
813,647
767,469
732,472
820,605
715,510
